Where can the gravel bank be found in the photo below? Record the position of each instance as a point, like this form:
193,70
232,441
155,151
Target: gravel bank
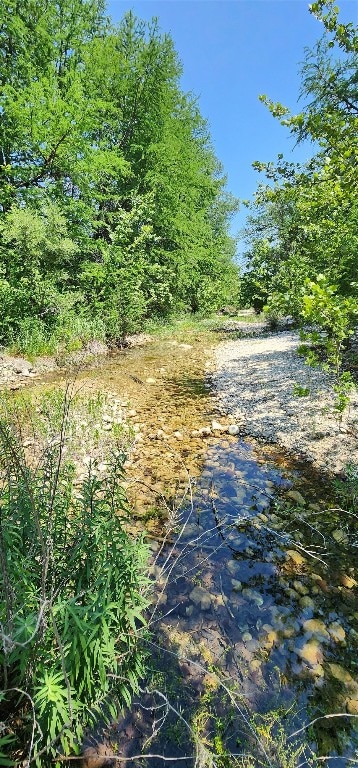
254,379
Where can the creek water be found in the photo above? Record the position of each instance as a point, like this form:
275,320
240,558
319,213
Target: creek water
255,615
261,595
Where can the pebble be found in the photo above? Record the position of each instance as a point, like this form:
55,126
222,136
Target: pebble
316,627
245,371
295,556
201,596
233,429
297,497
352,706
337,632
307,602
217,427
310,652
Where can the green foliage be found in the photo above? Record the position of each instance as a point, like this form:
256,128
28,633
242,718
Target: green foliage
302,228
73,591
335,315
112,197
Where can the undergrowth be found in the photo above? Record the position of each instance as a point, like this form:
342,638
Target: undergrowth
73,592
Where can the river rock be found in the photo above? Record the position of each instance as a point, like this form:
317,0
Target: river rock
337,632
252,595
217,427
316,627
297,497
310,653
307,602
233,429
233,566
246,637
178,435
348,582
236,585
97,757
300,588
341,674
352,706
341,537
204,431
22,366
295,556
201,596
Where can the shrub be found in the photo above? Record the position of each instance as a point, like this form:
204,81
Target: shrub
73,593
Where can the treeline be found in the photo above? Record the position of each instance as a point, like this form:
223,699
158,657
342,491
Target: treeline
302,229
113,204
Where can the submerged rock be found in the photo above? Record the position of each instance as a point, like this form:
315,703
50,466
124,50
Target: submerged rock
297,497
352,706
337,632
201,596
316,627
310,653
341,537
297,558
341,674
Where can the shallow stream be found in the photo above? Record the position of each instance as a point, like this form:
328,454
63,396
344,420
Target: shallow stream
256,616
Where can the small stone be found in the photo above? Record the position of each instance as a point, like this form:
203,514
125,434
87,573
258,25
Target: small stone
295,556
236,585
341,674
348,581
337,632
132,412
178,435
271,639
300,588
297,497
246,637
252,595
233,429
352,706
341,537
317,627
233,566
255,665
310,653
97,757
217,427
200,595
185,346
307,602
150,380
204,431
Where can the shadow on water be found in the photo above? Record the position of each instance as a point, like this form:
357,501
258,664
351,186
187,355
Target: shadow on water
255,626
255,630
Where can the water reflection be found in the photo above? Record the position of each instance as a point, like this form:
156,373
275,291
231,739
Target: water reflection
266,594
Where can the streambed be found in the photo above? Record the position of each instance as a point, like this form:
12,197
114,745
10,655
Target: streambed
253,598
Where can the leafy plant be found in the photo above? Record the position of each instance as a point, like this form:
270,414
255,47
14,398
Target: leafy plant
73,594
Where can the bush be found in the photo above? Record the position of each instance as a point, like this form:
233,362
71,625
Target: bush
73,593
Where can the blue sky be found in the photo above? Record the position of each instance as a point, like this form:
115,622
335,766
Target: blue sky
232,51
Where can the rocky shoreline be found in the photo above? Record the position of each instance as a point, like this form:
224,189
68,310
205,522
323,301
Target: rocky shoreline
275,396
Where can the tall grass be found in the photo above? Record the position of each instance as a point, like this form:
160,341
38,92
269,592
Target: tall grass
73,592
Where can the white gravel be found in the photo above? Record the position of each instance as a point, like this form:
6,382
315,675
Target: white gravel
255,378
